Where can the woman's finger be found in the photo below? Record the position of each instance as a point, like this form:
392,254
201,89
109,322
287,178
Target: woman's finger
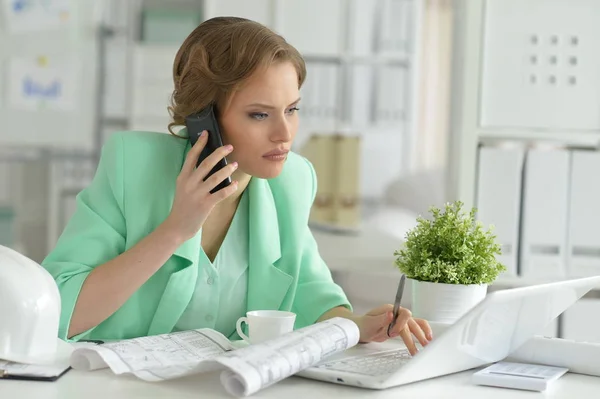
408,340
417,331
424,324
209,163
220,175
404,315
193,154
223,193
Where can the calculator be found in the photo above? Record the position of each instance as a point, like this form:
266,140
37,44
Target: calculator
526,376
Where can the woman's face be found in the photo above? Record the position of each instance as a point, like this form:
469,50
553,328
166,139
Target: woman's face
261,120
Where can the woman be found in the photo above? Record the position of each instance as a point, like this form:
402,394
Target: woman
150,250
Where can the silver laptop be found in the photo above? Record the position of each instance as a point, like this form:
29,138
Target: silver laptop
488,333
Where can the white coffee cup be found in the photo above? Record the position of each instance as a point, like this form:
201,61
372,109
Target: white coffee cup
264,325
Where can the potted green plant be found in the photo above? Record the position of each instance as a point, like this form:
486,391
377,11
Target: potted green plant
450,260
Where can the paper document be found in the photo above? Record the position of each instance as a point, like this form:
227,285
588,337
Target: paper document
154,358
245,371
42,83
24,16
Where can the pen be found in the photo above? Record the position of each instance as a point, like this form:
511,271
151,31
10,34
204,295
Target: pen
397,303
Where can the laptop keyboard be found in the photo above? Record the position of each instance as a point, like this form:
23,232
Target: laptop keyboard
376,364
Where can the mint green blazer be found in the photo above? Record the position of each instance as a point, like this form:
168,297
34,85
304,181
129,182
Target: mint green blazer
132,193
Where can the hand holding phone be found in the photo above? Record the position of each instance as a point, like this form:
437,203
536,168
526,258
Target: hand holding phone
196,124
195,191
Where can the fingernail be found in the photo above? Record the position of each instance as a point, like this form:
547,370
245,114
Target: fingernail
229,147
203,133
235,165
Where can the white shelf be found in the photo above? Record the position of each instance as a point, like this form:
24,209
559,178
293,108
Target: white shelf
495,101
488,110
374,59
313,26
531,137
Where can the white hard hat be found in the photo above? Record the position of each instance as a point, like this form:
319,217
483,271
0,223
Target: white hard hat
29,310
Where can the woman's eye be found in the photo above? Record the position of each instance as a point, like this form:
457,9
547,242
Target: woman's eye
259,116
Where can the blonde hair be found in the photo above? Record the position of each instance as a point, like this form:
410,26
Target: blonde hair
218,57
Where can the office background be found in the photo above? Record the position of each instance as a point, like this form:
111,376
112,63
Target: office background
493,102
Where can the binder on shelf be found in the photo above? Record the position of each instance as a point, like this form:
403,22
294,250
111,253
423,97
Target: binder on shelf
385,34
151,87
257,10
320,151
153,63
168,24
363,22
583,253
7,225
151,101
545,207
396,18
310,93
115,87
314,27
359,102
5,182
402,18
391,93
407,33
328,99
320,101
499,181
346,203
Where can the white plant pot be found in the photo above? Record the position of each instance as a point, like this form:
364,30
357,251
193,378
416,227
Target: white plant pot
444,303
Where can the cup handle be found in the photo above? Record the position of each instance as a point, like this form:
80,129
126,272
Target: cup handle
238,327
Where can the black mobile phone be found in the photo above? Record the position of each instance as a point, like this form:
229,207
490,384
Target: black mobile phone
207,120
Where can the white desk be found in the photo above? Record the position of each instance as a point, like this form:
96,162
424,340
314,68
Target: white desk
369,251
103,384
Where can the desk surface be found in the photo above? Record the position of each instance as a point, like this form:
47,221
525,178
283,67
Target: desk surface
102,384
368,251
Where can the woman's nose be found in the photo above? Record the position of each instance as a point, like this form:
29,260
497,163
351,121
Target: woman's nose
282,132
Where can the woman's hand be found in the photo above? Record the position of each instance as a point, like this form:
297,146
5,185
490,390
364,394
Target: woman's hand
193,200
374,325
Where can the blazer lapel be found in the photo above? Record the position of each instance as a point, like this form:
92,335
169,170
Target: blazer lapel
267,284
182,283
174,300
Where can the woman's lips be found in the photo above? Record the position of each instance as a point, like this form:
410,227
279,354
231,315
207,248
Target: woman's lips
276,155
